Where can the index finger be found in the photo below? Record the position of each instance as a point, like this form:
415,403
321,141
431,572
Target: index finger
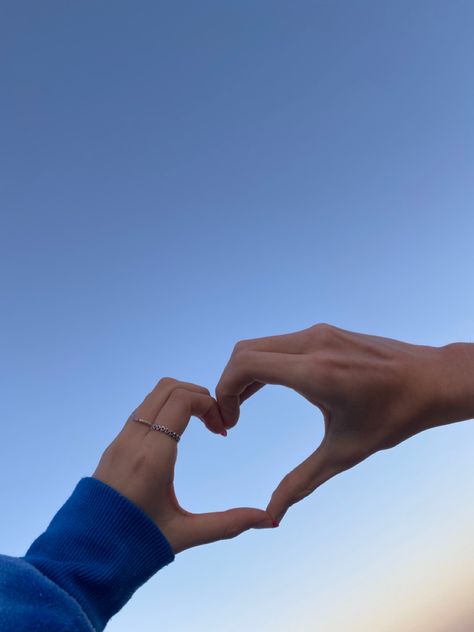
175,415
156,399
249,370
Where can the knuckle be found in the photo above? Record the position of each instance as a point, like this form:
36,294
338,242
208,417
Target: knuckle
166,381
181,398
242,345
242,357
180,394
324,331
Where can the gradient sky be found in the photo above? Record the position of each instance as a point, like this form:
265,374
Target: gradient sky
176,176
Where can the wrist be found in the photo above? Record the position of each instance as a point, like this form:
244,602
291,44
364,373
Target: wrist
454,383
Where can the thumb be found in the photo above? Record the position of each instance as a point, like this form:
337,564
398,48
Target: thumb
302,481
222,525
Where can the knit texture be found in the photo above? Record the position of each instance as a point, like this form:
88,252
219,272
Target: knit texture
97,550
30,602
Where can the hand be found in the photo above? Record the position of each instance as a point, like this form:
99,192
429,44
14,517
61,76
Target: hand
373,392
140,462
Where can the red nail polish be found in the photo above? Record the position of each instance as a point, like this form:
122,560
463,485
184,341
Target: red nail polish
224,433
275,524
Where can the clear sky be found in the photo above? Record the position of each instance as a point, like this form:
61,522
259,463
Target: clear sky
176,176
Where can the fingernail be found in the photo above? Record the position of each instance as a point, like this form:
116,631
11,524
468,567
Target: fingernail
275,524
224,433
266,523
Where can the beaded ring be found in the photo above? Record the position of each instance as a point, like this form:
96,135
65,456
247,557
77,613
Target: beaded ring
159,428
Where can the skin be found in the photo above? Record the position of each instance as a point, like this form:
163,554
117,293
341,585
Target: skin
373,392
139,463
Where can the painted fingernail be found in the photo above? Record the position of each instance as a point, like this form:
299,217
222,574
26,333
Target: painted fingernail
275,524
224,433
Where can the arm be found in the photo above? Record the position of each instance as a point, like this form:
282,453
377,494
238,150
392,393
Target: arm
455,366
119,527
97,550
374,392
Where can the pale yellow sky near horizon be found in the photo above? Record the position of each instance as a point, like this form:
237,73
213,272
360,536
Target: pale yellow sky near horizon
435,595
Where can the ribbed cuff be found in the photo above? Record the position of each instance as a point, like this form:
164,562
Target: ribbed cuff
100,547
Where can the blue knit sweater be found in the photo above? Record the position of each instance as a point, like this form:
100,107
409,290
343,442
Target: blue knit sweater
97,550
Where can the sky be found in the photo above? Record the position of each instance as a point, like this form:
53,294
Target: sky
178,176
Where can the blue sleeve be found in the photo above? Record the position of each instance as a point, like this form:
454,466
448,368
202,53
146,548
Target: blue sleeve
97,550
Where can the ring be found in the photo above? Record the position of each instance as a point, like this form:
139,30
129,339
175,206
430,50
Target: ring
159,428
143,421
171,433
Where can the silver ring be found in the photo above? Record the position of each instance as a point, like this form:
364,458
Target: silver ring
159,428
171,433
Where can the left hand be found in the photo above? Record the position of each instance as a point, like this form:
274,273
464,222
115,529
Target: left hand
139,463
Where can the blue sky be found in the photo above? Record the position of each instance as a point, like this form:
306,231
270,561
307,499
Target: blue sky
177,176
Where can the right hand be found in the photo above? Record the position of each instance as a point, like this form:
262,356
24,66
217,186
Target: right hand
374,392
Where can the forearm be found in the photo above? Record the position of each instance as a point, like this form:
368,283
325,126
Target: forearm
455,391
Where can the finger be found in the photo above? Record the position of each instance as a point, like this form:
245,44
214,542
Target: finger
294,342
213,419
155,400
247,367
250,390
222,525
302,481
180,406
